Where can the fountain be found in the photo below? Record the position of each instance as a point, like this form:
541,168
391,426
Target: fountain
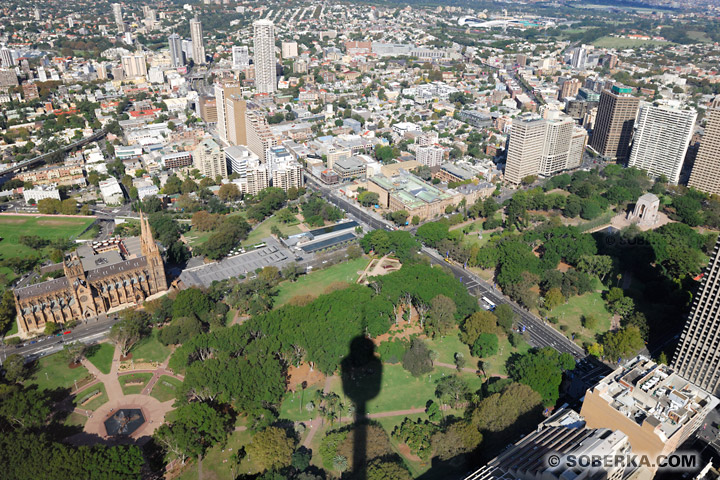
124,422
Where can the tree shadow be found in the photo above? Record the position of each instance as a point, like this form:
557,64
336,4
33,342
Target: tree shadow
361,372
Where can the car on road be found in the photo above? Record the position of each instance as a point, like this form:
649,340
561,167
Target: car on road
66,332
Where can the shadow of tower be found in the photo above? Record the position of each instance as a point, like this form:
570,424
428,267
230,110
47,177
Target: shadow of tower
362,380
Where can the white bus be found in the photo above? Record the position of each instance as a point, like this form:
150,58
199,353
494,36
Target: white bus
491,305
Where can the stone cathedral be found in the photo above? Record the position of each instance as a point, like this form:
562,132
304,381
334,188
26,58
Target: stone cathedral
99,277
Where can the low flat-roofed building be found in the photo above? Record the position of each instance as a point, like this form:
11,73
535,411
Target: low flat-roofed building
657,409
475,118
111,192
41,192
177,160
349,168
451,172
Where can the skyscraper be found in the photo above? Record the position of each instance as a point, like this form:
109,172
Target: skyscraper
196,34
240,57
705,175
661,139
222,91
176,53
134,65
117,13
614,122
543,146
265,66
7,57
697,357
209,158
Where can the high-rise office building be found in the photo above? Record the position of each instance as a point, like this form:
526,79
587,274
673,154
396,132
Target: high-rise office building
134,65
614,122
209,158
240,57
117,14
579,57
543,146
222,91
7,57
36,14
198,48
661,139
289,50
697,357
176,53
235,119
705,175
265,62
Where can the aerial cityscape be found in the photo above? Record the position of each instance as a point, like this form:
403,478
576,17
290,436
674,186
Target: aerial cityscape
312,240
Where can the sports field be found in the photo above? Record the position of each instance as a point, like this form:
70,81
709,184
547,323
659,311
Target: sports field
12,227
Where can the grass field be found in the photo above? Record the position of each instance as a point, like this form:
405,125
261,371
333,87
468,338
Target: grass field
263,230
95,402
51,228
400,390
614,42
53,372
165,388
213,466
448,346
316,282
293,405
571,313
495,365
75,420
196,238
131,378
101,356
149,349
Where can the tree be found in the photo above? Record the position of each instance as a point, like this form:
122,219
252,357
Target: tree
417,359
229,192
51,328
272,448
196,428
74,352
432,233
380,469
25,407
541,370
618,303
433,411
554,298
623,343
501,411
476,324
368,198
441,316
191,302
485,345
14,368
126,333
416,435
459,438
505,317
591,322
452,390
7,310
68,207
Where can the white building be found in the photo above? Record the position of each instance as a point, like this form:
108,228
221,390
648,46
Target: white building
402,128
288,175
41,192
117,13
240,57
265,62
238,158
661,140
134,65
430,155
198,48
111,191
289,50
256,178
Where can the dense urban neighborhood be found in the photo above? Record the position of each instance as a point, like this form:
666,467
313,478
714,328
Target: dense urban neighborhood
313,240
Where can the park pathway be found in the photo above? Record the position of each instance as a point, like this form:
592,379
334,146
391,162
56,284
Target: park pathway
315,423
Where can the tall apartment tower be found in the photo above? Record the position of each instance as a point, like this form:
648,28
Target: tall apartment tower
134,65
240,57
661,140
117,14
222,92
697,357
236,119
196,35
209,158
525,149
265,62
614,122
259,136
705,175
176,53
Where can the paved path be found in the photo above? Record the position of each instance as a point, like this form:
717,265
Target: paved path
315,423
153,410
466,369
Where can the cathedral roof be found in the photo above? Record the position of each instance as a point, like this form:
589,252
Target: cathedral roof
43,288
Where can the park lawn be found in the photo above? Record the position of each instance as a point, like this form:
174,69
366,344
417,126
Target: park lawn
213,466
447,346
400,390
293,404
165,389
317,281
101,356
59,375
495,365
416,468
262,230
134,377
96,402
571,313
51,228
75,420
149,349
195,237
